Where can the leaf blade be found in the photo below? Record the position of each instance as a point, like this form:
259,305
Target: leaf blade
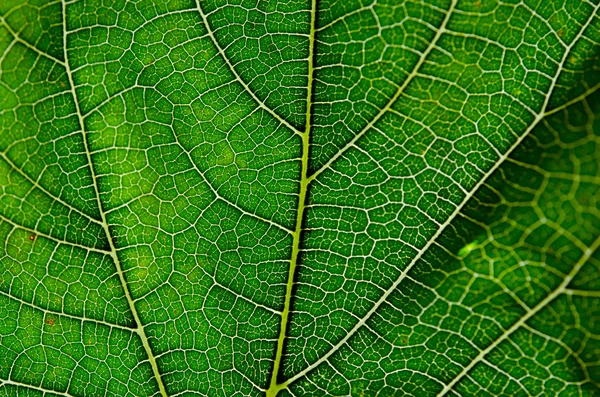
179,207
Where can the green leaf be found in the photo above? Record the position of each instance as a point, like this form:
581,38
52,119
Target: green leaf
294,198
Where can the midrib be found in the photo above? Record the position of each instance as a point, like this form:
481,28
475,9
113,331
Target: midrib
274,387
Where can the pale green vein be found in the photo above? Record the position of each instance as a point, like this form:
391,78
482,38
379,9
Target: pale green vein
582,292
27,44
239,78
238,295
67,315
110,98
113,251
36,233
36,184
393,99
548,222
346,16
457,210
582,97
219,196
522,321
36,388
274,387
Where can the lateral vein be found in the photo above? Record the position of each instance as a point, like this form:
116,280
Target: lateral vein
44,190
113,251
238,77
28,44
62,314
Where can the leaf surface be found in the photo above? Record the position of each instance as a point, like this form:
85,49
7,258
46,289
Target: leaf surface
299,198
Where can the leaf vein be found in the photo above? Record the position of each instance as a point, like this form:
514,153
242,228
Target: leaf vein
36,232
27,44
522,321
139,326
238,77
63,314
395,97
458,208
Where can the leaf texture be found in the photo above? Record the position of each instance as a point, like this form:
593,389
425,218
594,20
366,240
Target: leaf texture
299,198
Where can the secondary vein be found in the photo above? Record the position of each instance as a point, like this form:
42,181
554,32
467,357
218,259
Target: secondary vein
139,329
28,44
238,77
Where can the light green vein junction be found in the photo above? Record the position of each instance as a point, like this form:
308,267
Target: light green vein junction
37,185
18,39
239,78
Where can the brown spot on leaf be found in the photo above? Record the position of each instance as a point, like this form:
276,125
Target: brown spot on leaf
50,321
32,237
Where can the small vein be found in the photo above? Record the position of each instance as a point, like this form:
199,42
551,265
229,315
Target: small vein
241,296
517,381
576,355
238,77
54,197
29,45
110,98
37,233
62,314
521,322
236,294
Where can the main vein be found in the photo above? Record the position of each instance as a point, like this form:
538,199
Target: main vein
139,329
274,388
